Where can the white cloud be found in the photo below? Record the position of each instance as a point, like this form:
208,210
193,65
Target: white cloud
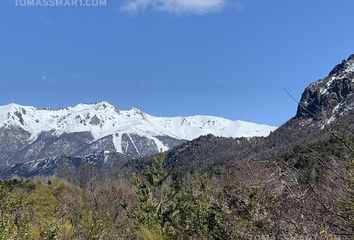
46,78
174,6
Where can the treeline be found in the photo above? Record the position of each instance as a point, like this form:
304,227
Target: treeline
272,197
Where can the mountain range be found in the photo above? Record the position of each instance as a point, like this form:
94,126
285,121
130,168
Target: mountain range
294,181
30,134
61,142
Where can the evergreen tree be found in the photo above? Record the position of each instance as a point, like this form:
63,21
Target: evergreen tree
169,208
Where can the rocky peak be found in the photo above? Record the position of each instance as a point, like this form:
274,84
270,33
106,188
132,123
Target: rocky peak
351,58
103,105
135,112
331,96
347,66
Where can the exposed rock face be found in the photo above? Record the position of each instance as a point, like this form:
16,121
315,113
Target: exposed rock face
136,145
327,98
12,140
49,145
95,121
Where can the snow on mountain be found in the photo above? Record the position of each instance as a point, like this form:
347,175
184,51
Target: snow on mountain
103,119
330,97
340,72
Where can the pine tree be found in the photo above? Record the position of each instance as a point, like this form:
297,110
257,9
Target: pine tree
169,208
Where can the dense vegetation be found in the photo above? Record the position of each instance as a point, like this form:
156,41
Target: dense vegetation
165,206
276,197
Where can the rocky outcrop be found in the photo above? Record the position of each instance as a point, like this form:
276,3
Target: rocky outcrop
329,97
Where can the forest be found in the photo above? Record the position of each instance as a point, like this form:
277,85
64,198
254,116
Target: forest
162,202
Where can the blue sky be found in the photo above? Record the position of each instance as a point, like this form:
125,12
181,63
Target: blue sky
177,57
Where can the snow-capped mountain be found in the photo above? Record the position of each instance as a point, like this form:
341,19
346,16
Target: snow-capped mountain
27,133
63,142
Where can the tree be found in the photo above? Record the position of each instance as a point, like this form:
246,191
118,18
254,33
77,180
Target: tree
171,207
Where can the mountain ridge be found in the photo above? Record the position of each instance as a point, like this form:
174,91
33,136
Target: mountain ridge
321,104
28,133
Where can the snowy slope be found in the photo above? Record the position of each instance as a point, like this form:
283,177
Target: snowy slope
103,119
